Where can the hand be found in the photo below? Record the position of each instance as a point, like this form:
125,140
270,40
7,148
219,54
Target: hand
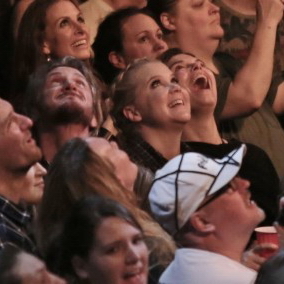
252,259
280,231
270,12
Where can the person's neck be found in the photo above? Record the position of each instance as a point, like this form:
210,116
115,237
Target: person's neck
165,141
229,246
11,183
202,128
203,51
52,139
245,7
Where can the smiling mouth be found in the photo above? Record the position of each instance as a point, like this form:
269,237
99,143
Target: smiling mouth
136,276
79,43
69,94
176,103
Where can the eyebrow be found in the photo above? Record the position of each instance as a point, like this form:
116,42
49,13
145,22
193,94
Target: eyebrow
153,77
56,73
179,61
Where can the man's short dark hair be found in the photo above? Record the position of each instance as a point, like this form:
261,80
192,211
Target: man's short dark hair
34,94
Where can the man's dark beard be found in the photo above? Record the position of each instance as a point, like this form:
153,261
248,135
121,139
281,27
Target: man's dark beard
67,113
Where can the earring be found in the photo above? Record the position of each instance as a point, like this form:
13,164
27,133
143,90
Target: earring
48,58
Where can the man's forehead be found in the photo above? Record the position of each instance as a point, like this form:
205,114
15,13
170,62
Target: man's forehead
6,109
182,58
65,71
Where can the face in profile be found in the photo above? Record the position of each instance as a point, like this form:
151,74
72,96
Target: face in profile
66,32
32,270
17,147
125,170
159,100
196,21
237,205
142,37
33,189
67,96
119,255
193,75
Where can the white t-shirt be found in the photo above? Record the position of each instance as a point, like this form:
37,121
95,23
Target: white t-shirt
195,266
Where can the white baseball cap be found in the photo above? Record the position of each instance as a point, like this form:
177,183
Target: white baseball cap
181,186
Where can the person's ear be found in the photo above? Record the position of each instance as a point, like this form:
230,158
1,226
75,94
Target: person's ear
200,223
117,60
46,48
168,21
80,267
132,113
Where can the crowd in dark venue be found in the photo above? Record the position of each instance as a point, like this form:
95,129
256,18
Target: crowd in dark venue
141,142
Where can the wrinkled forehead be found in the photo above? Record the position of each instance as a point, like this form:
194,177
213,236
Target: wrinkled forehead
64,71
181,59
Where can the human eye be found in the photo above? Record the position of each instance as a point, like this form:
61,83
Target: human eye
197,3
155,83
81,83
81,19
179,67
63,23
55,81
113,249
138,239
143,39
160,35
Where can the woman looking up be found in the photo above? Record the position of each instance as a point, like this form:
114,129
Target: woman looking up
150,109
246,96
49,30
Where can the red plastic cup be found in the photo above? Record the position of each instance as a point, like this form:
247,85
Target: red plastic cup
267,235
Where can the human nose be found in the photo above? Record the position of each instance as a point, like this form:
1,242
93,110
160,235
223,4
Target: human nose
197,65
213,8
79,28
242,184
25,122
40,170
132,255
69,84
174,87
159,44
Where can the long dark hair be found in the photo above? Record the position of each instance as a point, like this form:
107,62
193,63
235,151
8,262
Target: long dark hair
80,229
28,52
110,38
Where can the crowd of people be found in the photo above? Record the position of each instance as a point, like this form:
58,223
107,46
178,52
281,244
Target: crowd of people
141,141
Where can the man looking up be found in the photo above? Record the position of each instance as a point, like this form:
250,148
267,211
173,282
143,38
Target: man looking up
63,102
18,152
207,208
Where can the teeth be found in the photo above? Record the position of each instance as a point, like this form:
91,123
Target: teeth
80,42
176,102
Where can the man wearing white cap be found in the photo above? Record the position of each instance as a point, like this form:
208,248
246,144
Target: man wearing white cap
208,209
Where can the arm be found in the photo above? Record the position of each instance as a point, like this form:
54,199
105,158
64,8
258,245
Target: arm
278,104
249,87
